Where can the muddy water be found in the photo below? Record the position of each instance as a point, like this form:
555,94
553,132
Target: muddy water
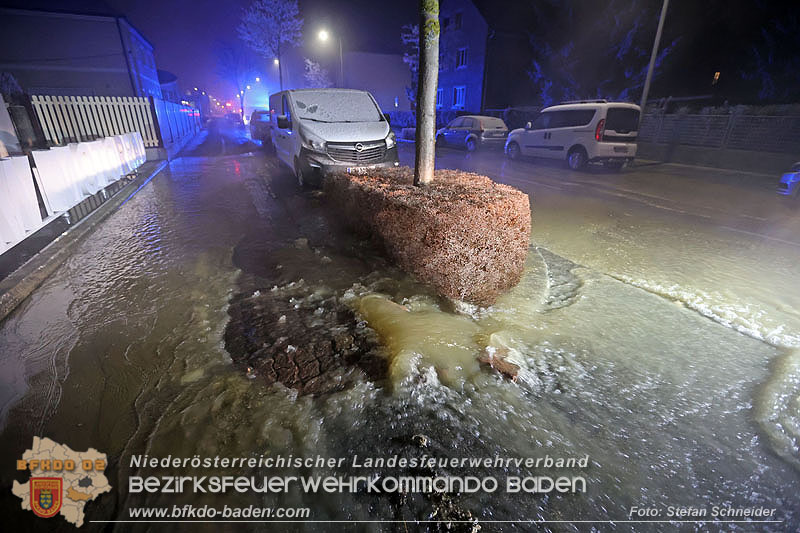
122,350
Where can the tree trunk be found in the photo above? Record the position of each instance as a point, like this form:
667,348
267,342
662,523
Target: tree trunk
426,91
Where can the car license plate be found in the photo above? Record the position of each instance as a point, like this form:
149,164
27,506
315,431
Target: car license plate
621,149
360,170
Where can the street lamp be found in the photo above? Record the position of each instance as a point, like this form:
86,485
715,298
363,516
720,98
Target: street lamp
258,79
323,36
653,56
275,61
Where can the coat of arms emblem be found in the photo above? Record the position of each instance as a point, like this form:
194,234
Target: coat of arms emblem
46,495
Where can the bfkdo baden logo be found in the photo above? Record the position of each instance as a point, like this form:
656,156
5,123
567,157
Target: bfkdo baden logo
61,480
46,495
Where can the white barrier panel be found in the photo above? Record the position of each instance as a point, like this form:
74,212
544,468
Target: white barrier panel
139,150
58,178
125,152
84,168
115,161
19,209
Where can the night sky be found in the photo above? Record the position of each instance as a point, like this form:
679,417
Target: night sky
736,37
185,32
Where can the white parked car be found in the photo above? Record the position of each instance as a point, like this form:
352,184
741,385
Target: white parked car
319,130
582,132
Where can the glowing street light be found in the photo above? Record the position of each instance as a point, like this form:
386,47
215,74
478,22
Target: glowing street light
248,87
258,79
275,61
323,36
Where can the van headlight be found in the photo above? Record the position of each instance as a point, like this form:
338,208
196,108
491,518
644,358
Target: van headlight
391,140
312,142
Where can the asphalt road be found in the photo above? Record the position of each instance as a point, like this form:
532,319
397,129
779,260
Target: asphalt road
657,323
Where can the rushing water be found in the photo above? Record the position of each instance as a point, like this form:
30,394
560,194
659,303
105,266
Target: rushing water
680,385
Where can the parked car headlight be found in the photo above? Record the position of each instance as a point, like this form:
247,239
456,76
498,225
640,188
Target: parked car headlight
391,140
312,142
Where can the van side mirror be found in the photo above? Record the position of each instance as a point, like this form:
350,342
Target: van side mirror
387,119
528,126
283,122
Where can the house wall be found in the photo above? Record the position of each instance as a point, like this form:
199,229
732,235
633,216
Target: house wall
80,55
472,36
383,75
141,62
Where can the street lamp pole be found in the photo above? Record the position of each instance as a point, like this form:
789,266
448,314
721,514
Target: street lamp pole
653,57
341,62
323,36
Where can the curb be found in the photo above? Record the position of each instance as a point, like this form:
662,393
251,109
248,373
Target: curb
15,288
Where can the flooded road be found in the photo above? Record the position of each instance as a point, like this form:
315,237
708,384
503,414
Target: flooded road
656,329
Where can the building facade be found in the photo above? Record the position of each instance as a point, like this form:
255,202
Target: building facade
462,56
383,75
76,54
484,55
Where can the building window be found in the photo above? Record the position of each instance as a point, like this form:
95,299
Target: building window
457,21
439,98
461,58
445,23
459,96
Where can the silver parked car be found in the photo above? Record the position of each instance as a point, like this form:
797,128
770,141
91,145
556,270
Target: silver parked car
473,131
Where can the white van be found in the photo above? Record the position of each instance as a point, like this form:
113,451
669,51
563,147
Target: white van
581,132
319,130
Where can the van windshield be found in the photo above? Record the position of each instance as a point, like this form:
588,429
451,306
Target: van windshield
622,119
336,106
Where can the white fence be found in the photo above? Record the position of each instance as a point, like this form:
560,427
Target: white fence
65,175
67,119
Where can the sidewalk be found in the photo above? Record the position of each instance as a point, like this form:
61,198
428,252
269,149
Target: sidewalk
24,267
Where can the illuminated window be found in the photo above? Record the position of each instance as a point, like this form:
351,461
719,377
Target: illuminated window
461,58
459,96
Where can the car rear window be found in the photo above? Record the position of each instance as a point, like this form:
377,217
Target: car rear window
493,123
622,119
261,116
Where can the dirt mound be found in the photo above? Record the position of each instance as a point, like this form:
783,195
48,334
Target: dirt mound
464,235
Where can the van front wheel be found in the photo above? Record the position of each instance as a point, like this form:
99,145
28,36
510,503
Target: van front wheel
577,158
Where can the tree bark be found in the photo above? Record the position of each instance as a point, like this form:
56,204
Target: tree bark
426,91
